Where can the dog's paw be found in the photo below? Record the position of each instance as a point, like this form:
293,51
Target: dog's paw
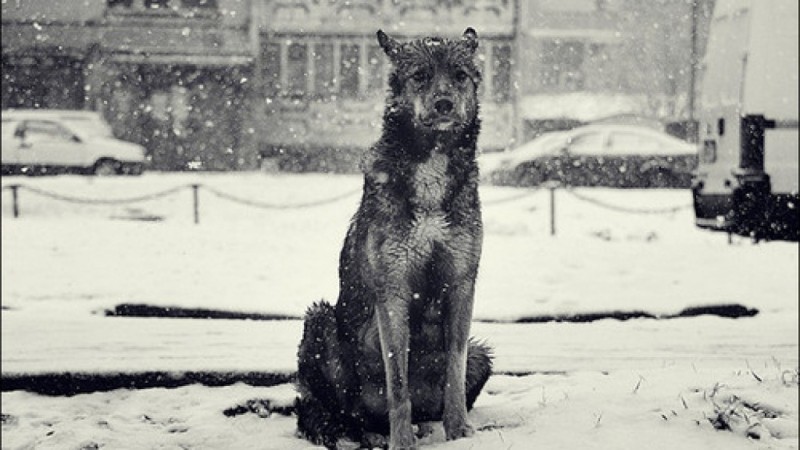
424,429
454,431
403,441
403,447
374,440
347,444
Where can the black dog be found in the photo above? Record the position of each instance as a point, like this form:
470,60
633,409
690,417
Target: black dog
395,349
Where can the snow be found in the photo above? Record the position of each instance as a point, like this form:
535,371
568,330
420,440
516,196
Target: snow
608,384
666,409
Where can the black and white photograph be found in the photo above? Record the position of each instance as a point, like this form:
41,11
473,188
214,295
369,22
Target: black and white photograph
400,224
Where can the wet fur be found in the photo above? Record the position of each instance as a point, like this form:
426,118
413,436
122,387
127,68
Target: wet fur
394,350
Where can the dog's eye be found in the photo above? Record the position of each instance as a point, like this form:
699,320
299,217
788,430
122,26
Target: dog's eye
461,76
420,76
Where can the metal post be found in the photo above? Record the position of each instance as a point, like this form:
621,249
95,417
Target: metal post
15,199
692,129
553,187
196,198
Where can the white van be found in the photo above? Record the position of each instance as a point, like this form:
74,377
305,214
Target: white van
40,141
747,177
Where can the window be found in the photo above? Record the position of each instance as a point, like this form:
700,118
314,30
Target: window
480,64
324,71
323,68
375,61
587,144
598,70
351,57
297,69
562,65
501,73
43,131
164,8
708,154
271,54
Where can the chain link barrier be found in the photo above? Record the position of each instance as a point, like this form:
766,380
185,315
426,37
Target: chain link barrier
602,204
526,193
310,204
15,188
90,201
262,205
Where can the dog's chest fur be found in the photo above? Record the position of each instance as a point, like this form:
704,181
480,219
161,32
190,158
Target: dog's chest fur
430,186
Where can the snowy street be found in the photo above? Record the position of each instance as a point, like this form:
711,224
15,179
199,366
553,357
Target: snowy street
606,384
91,343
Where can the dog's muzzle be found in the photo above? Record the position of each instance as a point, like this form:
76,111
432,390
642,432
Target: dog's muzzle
443,106
442,115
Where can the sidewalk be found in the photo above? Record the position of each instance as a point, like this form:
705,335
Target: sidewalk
95,344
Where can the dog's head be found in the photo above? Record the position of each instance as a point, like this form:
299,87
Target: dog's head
434,81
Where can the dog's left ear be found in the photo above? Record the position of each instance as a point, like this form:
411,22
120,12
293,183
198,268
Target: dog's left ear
470,38
390,46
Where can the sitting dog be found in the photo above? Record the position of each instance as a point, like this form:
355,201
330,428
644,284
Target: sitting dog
395,349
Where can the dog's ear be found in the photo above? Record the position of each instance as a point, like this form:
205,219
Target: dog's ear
389,45
470,38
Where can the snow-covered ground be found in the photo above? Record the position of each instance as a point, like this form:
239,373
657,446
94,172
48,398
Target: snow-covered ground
607,384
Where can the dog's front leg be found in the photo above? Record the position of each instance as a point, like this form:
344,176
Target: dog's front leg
460,300
392,316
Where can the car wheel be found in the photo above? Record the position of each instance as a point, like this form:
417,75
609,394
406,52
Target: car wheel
106,167
133,169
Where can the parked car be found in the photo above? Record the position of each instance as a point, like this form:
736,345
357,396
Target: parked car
39,142
596,155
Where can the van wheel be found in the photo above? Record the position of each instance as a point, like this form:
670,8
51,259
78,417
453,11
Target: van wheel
106,167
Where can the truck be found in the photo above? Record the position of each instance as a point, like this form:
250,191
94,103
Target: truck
746,182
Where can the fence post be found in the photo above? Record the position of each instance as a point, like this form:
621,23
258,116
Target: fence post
196,202
14,199
553,185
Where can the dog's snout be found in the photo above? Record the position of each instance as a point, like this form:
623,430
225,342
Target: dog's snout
443,106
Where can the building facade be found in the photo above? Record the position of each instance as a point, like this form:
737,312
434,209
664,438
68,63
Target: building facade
231,84
324,74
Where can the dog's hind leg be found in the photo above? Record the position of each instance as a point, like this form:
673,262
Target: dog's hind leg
479,368
319,414
317,424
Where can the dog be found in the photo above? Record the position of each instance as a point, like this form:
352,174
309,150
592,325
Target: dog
395,349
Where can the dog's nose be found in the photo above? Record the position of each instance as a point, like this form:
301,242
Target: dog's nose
443,106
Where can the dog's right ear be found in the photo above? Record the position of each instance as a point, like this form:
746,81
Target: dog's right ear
390,46
470,37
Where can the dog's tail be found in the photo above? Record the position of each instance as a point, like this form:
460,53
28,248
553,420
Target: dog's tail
479,368
318,412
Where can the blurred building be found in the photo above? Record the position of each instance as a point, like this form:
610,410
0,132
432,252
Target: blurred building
589,60
324,74
224,84
169,74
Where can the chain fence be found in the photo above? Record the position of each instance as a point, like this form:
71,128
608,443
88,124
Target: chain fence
97,201
512,198
263,205
625,209
15,188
